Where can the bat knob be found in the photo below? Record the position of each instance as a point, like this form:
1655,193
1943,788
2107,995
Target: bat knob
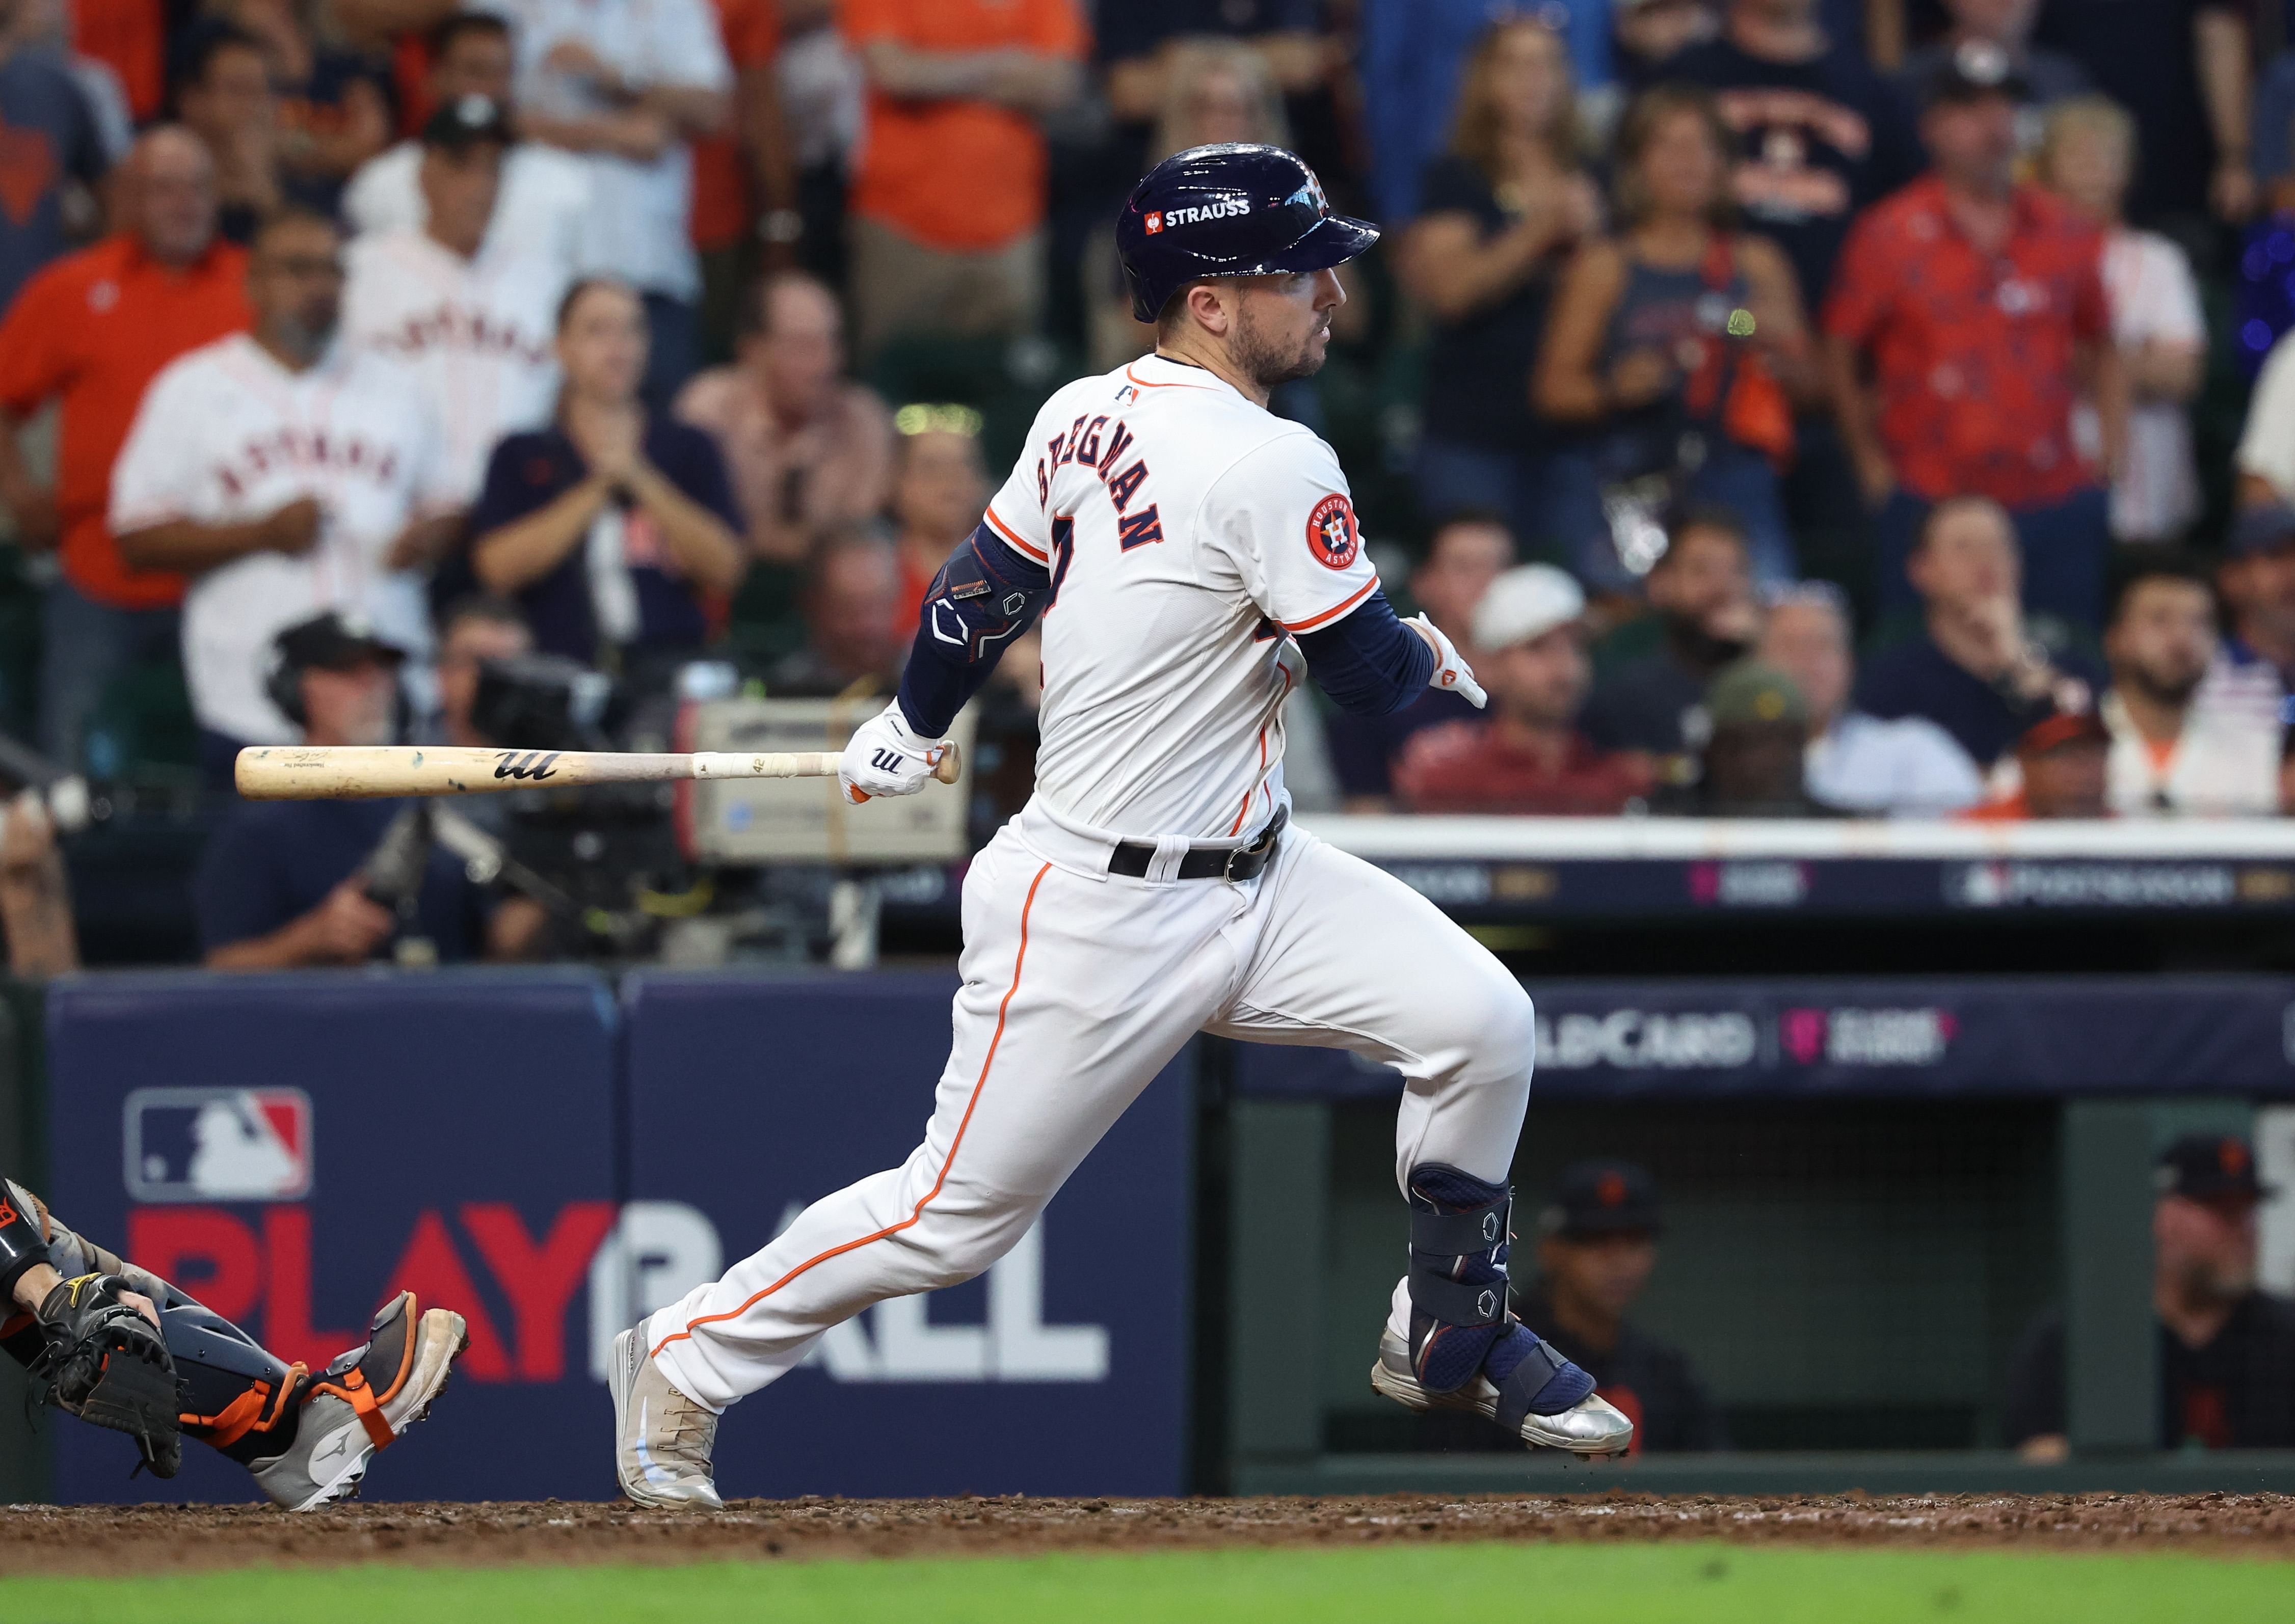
948,767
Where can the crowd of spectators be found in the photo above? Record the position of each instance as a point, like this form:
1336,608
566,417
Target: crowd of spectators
1860,373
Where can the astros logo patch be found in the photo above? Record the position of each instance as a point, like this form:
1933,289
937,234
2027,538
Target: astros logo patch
1331,534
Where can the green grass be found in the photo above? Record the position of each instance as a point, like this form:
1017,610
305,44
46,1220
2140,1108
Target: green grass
1583,1584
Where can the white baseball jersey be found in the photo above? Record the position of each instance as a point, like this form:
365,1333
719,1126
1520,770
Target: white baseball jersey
476,334
542,208
227,434
1188,533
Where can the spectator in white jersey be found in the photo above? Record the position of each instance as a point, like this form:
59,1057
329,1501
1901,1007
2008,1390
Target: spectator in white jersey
471,314
2171,756
626,84
545,192
289,474
1859,763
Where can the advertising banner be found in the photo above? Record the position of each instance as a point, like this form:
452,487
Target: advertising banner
1063,1370
293,1149
1998,1036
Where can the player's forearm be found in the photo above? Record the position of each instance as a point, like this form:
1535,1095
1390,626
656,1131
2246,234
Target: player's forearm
1369,662
2220,38
188,547
513,557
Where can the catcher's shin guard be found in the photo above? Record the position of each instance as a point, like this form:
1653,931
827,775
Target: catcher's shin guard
1466,1349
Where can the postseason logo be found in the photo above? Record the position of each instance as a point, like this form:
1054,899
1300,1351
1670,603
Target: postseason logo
218,1143
1225,208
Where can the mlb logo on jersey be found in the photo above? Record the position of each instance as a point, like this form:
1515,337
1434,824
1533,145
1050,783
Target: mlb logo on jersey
218,1143
1331,534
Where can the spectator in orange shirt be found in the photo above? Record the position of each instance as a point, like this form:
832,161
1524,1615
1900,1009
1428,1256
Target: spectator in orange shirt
948,208
940,489
91,331
1529,756
745,214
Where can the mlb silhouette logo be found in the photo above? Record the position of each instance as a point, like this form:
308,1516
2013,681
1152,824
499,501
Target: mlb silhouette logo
1154,221
218,1143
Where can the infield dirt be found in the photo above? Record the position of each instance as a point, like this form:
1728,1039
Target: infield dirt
147,1539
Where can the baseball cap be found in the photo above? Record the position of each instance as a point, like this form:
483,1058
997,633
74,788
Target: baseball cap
2207,1167
1977,68
465,122
1749,691
1601,1196
1524,603
334,641
2265,529
2058,729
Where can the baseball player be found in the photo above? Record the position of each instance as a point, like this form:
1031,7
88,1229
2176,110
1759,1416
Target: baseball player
472,316
292,473
120,1347
1191,558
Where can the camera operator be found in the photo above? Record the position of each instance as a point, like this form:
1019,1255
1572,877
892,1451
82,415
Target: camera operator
286,884
473,631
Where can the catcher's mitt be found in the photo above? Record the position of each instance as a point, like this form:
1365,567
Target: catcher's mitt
107,1363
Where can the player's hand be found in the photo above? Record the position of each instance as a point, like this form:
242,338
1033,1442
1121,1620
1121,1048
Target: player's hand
295,527
1450,670
886,756
346,927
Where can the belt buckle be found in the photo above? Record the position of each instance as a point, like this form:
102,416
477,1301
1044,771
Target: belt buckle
1257,848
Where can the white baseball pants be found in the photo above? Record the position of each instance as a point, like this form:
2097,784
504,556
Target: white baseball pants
1079,986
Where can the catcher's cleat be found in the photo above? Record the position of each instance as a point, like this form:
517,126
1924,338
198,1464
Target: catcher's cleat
1591,1427
362,1402
105,1363
662,1439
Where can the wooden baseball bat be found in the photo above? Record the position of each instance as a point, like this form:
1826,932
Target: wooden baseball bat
354,772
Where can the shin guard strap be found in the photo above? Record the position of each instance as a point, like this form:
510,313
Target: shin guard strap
1458,1302
1527,1379
1477,1229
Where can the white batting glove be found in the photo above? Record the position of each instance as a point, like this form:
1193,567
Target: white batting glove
1451,672
886,756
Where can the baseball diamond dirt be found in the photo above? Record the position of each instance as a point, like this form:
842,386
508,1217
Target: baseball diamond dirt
152,1539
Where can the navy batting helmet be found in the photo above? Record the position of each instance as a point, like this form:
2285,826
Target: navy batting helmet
1231,210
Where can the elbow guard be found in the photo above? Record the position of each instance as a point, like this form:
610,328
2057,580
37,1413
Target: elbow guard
984,596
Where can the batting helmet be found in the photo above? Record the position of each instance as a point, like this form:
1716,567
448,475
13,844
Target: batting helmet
1231,210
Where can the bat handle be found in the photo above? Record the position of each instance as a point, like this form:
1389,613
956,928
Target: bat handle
949,765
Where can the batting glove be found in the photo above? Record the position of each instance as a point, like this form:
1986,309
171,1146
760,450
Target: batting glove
886,756
1451,672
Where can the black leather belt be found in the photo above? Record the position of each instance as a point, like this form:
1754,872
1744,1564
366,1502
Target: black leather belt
1132,857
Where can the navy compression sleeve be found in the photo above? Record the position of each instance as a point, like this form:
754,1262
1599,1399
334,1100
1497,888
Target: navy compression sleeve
1369,663
986,595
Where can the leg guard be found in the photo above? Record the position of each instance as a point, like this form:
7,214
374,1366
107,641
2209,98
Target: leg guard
233,1393
1460,1324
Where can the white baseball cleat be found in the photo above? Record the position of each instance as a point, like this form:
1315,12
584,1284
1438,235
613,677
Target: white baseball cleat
662,1439
1593,1427
361,1403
